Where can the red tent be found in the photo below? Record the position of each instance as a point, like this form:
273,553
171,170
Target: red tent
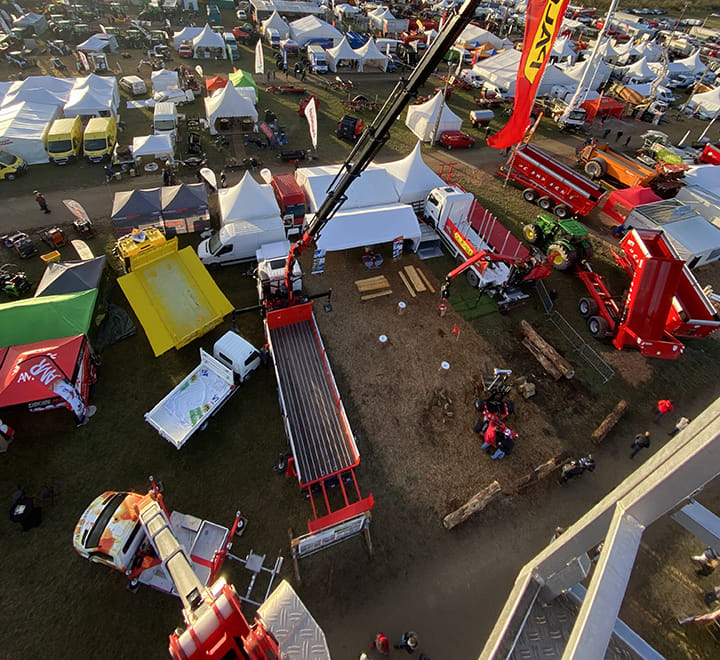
603,106
28,372
619,203
216,82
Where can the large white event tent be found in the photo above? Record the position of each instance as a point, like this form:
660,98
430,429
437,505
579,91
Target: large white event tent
87,102
186,34
423,118
275,22
343,52
501,71
103,85
706,104
477,36
164,79
639,72
311,27
228,102
207,40
247,200
370,55
23,128
411,177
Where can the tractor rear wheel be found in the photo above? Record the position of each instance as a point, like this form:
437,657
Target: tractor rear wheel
588,307
530,195
545,203
532,233
562,211
598,327
472,278
563,258
595,168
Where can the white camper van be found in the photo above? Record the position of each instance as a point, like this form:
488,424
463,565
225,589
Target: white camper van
238,241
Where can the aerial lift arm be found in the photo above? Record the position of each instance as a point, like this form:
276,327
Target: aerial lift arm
378,133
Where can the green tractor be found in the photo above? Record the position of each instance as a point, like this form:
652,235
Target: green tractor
565,241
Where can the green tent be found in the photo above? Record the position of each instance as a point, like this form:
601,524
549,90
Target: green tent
240,78
47,317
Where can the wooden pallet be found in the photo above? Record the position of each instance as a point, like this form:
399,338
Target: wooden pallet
373,287
414,278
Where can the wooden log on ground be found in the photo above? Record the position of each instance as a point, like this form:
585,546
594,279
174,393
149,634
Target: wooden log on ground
542,359
565,368
541,472
598,435
476,503
425,280
406,282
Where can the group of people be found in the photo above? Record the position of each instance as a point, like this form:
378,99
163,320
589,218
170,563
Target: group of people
663,407
498,439
408,642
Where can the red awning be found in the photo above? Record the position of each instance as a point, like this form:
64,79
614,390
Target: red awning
216,82
619,203
603,106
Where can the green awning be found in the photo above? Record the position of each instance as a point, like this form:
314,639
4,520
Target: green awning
240,78
48,317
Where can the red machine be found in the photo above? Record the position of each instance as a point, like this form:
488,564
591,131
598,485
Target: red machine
657,309
710,154
291,199
551,184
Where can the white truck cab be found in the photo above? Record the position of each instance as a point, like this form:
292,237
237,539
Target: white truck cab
270,275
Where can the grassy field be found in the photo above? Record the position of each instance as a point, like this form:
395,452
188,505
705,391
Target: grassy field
58,604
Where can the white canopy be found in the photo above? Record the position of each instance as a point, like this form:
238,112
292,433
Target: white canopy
370,55
102,85
343,52
23,127
640,71
275,22
186,34
476,36
311,27
564,50
247,200
87,102
370,226
229,101
18,92
164,79
372,188
208,39
707,102
704,176
650,50
691,65
379,15
157,146
422,118
607,51
600,76
411,177
99,43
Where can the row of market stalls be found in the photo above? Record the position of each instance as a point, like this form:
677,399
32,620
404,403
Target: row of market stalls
303,30
206,43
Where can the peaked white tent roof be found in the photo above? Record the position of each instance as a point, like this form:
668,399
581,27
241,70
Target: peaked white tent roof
107,85
640,70
422,119
600,75
228,101
34,95
709,101
99,43
277,23
88,102
370,226
692,65
607,51
164,79
564,49
343,51
157,146
411,177
23,127
311,27
370,53
209,39
650,50
186,34
379,15
476,36
58,85
372,188
247,200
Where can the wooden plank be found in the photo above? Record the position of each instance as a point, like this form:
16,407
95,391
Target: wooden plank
370,296
374,285
415,279
426,280
407,284
371,281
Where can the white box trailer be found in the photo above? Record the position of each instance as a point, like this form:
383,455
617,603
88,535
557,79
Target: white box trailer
206,389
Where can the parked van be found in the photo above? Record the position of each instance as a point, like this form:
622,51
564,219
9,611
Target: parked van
238,241
133,85
317,59
471,78
231,43
64,140
11,166
165,119
384,44
99,138
272,36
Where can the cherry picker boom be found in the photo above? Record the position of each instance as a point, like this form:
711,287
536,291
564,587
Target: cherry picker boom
374,137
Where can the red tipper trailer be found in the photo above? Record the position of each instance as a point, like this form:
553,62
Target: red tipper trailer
290,198
552,184
710,154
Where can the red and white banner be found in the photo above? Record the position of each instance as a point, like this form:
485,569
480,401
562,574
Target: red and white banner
542,24
44,370
311,115
259,59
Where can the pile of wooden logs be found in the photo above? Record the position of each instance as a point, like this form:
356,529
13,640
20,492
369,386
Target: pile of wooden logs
553,363
373,287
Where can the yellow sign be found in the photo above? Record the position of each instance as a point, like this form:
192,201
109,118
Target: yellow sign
541,43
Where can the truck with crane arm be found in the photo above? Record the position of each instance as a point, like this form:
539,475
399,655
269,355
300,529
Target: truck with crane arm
324,451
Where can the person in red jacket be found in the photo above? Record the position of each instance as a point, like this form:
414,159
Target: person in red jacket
381,644
664,406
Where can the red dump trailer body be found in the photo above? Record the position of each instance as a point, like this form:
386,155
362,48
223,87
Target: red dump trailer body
552,184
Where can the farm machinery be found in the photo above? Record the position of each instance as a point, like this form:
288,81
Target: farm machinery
564,241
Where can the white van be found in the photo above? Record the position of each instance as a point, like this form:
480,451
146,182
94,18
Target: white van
239,241
133,85
471,78
165,119
317,59
272,36
383,45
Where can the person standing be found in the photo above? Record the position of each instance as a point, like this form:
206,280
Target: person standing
381,644
505,445
627,140
664,406
42,203
619,135
576,467
679,426
707,562
408,642
641,441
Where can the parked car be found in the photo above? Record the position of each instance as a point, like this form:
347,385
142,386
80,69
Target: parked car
176,96
456,140
185,50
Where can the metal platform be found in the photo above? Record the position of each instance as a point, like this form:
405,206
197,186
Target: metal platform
317,427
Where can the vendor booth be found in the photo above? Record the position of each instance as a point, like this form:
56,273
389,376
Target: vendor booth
71,277
342,56
372,188
422,119
209,45
228,110
140,208
185,208
23,128
247,200
153,146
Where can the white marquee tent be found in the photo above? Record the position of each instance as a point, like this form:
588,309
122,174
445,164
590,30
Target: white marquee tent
276,23
156,146
423,118
343,52
564,50
206,40
601,73
164,79
370,55
228,102
34,95
104,85
411,177
691,65
640,71
186,34
706,104
247,200
99,43
311,27
86,102
476,36
23,128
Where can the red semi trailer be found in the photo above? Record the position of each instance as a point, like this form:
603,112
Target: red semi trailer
551,184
